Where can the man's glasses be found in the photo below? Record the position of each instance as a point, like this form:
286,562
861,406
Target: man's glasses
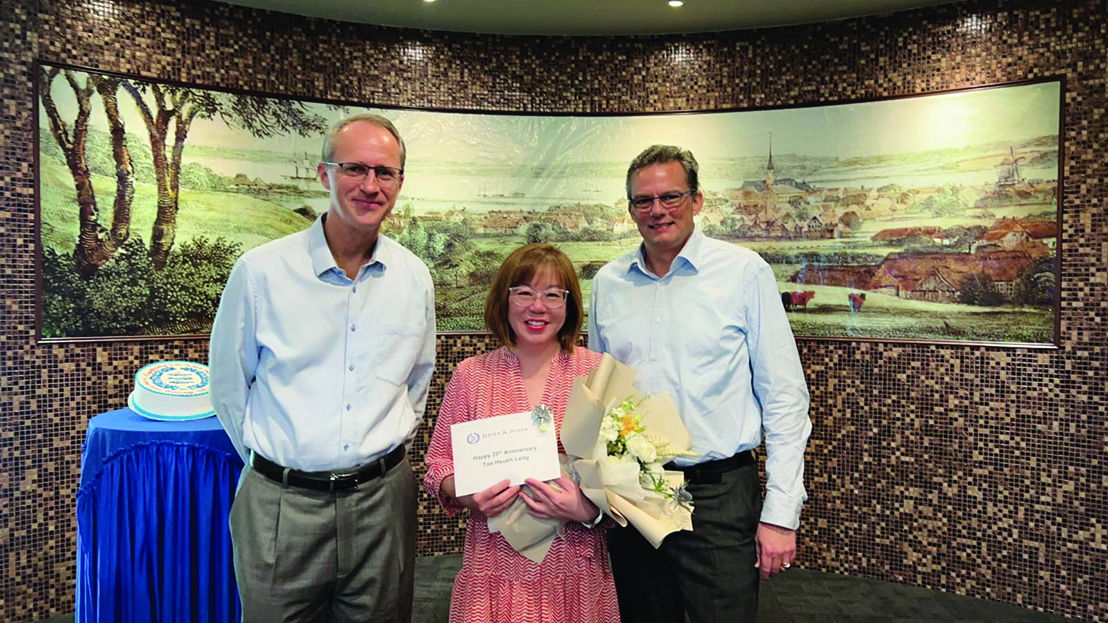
669,201
359,171
525,297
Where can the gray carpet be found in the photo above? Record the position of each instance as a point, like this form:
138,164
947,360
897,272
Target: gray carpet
798,596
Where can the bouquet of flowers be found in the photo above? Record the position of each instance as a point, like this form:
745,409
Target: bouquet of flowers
629,442
616,442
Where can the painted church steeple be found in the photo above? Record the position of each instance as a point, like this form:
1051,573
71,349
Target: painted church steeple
769,164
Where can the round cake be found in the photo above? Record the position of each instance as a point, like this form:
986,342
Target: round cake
172,390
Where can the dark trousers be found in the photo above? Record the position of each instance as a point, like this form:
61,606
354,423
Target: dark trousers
708,572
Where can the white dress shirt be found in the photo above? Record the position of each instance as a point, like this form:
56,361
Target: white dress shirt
316,371
713,334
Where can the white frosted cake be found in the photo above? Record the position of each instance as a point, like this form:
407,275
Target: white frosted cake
172,390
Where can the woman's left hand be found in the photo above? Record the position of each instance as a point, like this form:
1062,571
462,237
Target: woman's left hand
559,499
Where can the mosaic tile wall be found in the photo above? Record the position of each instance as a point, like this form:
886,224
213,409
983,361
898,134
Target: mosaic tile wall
970,469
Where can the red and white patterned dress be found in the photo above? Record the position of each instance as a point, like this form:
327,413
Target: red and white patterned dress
496,584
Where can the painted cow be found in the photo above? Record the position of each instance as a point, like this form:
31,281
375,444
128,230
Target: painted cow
792,300
856,301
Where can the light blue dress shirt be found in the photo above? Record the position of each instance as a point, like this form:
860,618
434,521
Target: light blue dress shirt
713,333
316,371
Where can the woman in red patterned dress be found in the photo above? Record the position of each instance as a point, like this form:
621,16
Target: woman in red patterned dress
534,308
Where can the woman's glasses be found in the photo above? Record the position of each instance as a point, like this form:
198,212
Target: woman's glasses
525,297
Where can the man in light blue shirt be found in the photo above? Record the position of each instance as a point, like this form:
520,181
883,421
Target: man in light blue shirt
702,320
321,355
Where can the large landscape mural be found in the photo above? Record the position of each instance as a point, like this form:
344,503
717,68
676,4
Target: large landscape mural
932,217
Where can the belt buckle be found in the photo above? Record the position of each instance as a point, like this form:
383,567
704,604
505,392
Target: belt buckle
342,477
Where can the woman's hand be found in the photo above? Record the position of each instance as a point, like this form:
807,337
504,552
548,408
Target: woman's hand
490,502
559,499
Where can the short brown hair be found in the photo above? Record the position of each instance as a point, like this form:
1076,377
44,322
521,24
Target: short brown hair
520,267
661,154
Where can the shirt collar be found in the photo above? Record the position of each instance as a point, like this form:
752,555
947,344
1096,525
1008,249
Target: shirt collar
693,251
323,261
690,254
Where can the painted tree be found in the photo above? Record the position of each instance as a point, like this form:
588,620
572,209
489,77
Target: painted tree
168,113
95,243
168,116
107,87
1037,284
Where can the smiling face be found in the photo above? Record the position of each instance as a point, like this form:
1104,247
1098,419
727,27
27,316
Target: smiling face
664,231
359,206
536,325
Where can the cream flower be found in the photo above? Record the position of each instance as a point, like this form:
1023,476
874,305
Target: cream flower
609,429
641,448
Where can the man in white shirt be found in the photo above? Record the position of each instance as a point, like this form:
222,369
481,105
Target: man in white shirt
702,320
321,355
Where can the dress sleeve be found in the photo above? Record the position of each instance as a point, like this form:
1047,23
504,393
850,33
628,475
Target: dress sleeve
456,407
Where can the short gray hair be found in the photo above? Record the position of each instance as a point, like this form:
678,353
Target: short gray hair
660,154
377,120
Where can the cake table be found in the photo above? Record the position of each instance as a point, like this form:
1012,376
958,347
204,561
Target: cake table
152,508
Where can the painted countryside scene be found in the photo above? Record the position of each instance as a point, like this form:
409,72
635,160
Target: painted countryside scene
924,218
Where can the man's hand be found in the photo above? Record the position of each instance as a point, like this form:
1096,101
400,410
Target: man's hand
490,502
559,499
776,549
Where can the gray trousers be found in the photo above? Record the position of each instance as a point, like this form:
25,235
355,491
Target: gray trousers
303,555
708,572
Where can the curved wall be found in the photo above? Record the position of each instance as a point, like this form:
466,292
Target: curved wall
970,469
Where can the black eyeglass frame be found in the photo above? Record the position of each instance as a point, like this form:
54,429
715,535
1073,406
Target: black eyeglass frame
669,201
381,172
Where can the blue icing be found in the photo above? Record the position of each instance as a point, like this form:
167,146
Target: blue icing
179,379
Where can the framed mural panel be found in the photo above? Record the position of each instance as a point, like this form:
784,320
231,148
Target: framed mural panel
929,218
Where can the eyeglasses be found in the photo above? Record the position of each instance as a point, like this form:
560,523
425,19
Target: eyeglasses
356,170
669,200
525,297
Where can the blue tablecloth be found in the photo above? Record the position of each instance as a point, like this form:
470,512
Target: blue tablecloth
152,508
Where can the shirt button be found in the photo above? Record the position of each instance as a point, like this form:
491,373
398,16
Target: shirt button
350,367
345,447
355,288
348,407
353,328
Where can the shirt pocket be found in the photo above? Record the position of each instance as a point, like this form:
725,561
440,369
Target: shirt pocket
398,349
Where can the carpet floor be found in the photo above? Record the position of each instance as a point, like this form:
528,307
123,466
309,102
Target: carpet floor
798,596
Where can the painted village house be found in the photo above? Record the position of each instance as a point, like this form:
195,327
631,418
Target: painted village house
1035,238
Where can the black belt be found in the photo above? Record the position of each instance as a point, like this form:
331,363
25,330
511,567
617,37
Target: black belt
710,472
338,480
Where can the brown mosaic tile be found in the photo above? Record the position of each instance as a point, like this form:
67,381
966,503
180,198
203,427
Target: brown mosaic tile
977,470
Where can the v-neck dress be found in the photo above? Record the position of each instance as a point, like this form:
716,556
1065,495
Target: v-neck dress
496,584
